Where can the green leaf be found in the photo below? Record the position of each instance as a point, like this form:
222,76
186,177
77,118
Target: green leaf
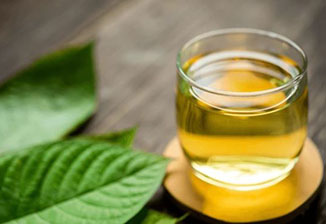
123,138
77,181
48,99
148,216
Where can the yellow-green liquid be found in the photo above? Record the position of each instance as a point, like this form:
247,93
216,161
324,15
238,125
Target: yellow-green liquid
238,142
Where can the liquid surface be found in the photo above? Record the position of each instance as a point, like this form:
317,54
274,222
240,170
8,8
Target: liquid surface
241,142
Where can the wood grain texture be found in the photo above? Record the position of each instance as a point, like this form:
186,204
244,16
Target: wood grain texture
30,28
136,50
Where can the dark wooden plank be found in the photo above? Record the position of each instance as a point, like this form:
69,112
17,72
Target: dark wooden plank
317,116
30,28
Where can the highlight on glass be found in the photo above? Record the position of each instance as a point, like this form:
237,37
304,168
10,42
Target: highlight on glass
241,106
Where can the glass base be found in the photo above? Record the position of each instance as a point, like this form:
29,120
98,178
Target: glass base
243,173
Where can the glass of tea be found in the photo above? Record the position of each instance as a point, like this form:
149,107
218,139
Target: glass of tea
241,106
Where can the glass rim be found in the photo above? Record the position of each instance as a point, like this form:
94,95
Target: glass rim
268,34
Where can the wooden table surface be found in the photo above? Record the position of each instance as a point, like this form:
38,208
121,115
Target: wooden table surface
137,43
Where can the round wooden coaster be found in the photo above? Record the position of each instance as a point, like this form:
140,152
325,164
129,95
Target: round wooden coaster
282,201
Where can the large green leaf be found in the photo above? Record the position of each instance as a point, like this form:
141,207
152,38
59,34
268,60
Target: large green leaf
149,216
77,181
48,99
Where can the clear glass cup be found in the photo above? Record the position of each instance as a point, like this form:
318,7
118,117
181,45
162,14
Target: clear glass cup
241,106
